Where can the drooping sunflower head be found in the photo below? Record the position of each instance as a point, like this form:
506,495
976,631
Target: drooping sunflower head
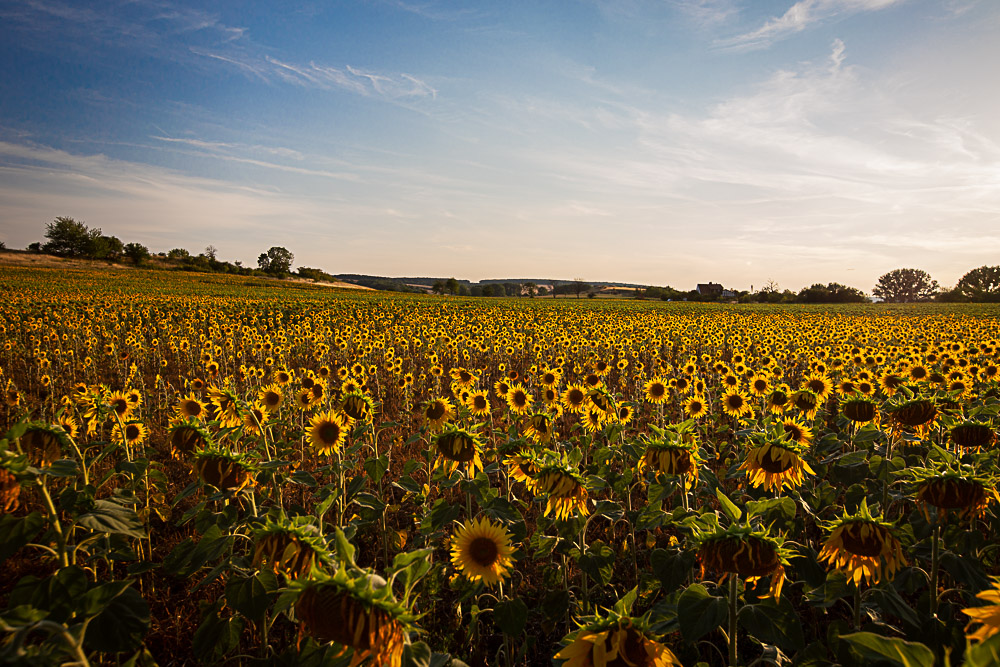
860,410
357,611
539,427
565,489
777,400
43,443
806,401
601,399
358,406
912,412
864,547
952,486
775,463
972,435
187,437
523,467
673,451
290,546
482,551
616,640
742,551
457,447
226,471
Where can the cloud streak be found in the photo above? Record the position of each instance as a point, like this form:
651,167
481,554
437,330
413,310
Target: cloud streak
799,17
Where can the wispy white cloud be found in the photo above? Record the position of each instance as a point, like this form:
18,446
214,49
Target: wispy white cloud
800,16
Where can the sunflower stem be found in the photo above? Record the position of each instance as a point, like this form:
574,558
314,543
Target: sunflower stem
935,548
857,606
734,589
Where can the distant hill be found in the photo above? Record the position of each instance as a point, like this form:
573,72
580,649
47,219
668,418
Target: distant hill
409,284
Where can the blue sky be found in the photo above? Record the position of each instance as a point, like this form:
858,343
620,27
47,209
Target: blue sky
650,141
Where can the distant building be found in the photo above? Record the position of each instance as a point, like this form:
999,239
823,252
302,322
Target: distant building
709,289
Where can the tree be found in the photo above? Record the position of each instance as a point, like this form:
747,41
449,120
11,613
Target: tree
905,286
67,237
211,251
451,285
136,252
831,293
110,248
982,284
277,261
579,287
530,289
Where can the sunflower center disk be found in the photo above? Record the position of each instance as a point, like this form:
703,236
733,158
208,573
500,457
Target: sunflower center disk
483,551
869,546
773,464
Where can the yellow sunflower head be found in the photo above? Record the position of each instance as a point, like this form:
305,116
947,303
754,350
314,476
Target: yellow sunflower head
482,551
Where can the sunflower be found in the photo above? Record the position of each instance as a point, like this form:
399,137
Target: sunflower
481,550
593,420
655,390
289,546
863,547
565,489
190,407
538,427
550,377
777,400
523,468
574,398
226,405
438,411
132,434
798,431
616,642
624,414
43,443
357,406
775,464
187,437
988,615
119,403
479,403
254,419
223,470
972,435
696,407
818,384
891,382
673,452
952,487
501,387
271,397
457,447
846,388
735,403
356,611
518,399
744,552
917,413
860,410
327,432
464,377
759,385
282,376
69,424
806,401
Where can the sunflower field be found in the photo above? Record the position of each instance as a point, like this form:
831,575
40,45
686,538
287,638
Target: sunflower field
204,469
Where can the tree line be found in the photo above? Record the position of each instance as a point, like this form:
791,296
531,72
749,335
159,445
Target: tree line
67,237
